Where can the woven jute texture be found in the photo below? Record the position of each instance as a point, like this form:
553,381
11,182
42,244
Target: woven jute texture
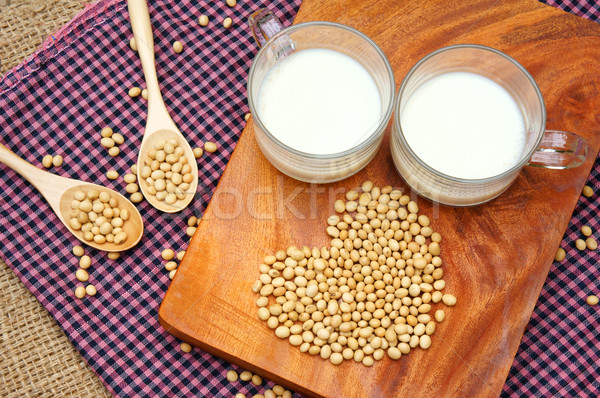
36,358
25,24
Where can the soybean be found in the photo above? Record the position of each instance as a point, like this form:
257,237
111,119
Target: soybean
134,92
185,347
90,290
210,147
232,376
133,44
80,292
591,243
47,161
78,251
560,254
57,161
588,192
177,47
112,175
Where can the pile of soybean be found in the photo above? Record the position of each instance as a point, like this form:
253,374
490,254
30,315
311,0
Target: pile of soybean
369,293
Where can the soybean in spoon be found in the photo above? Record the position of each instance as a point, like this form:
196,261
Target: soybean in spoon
160,128
60,194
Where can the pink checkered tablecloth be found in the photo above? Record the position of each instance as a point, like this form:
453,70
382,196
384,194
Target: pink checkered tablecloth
76,83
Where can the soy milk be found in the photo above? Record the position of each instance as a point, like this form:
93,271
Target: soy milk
319,101
464,125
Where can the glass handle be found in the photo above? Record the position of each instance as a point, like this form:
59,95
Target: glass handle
560,150
264,25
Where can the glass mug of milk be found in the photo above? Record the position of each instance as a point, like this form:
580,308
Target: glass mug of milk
321,95
468,118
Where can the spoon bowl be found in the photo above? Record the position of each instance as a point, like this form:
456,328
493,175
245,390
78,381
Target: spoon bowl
60,193
133,227
148,142
159,125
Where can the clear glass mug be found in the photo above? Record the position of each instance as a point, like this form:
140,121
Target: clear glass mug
549,149
277,43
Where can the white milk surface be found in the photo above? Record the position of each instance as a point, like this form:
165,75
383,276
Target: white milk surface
319,101
464,125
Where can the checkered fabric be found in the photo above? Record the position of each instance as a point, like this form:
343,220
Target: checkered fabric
56,103
559,355
58,100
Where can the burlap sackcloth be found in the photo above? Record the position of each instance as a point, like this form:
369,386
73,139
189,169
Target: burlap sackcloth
36,358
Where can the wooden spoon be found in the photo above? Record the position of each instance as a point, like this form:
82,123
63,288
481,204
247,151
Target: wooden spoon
59,192
159,125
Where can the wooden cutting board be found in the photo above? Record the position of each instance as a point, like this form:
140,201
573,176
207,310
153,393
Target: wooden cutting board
496,256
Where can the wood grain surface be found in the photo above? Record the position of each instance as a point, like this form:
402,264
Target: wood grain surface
496,256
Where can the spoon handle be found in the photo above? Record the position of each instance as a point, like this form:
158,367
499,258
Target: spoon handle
49,185
142,31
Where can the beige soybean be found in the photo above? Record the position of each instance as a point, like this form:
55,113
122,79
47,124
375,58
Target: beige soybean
203,20
112,174
114,255
85,262
592,300
449,300
245,376
588,192
198,152
257,380
177,47
47,161
591,243
133,44
145,94
168,254
82,275
231,3
57,161
227,22
210,146
118,138
232,376
106,132
78,251
129,178
586,231
560,254
580,244
114,151
136,197
80,292
134,92
90,290
185,347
